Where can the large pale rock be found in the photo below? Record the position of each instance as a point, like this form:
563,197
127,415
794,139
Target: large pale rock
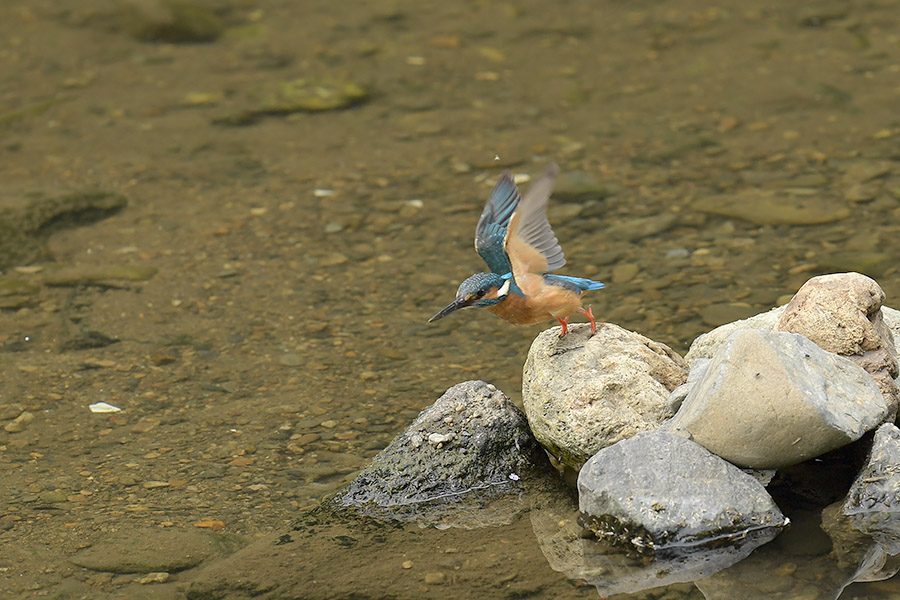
842,314
658,490
464,451
774,399
584,393
706,344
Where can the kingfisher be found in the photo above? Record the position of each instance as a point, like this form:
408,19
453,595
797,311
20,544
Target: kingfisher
515,239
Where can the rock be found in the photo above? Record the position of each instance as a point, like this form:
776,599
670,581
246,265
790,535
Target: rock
707,344
172,21
873,503
584,393
153,550
657,490
19,424
867,170
27,220
842,314
635,229
766,207
774,399
472,445
311,95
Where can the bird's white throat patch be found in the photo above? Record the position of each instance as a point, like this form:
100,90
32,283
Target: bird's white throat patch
504,289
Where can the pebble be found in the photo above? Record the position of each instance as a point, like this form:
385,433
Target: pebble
333,260
152,485
862,192
19,423
329,424
291,359
436,578
625,272
863,171
333,227
154,578
10,411
407,564
53,497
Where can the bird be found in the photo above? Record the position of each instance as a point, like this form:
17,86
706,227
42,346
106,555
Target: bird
515,239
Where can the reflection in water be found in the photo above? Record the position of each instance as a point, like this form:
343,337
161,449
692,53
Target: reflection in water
542,553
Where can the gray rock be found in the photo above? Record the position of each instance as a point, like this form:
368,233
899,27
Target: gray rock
842,314
774,399
584,393
873,503
658,491
471,446
707,344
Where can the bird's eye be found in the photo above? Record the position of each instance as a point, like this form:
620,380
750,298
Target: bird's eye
479,294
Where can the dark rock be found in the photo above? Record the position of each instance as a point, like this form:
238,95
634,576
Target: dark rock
659,491
469,448
873,503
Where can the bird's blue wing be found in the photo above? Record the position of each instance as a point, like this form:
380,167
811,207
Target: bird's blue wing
491,229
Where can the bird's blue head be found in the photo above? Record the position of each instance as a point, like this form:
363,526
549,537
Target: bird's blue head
480,289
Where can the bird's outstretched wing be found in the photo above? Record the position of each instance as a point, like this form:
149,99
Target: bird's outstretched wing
491,230
530,244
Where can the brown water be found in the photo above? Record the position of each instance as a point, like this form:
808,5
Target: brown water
282,340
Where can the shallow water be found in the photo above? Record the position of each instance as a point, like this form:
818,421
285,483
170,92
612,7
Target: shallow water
283,339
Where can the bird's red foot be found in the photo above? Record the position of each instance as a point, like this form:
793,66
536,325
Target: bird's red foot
590,315
565,326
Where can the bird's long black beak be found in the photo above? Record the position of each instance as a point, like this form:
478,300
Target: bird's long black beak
455,305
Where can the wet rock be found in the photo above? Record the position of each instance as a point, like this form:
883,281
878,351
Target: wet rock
19,424
171,21
154,550
311,95
764,207
471,446
578,186
873,503
774,399
866,170
635,229
584,393
657,490
842,314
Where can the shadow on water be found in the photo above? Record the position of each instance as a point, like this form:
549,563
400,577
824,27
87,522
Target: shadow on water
535,546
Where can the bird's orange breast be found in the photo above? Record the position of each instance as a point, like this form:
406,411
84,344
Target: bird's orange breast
547,304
